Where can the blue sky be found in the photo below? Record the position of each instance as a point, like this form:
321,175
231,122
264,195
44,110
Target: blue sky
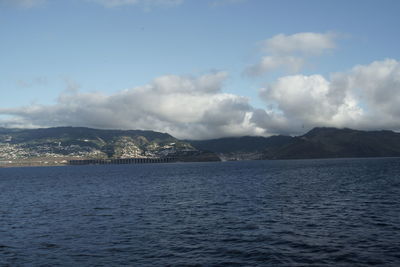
51,50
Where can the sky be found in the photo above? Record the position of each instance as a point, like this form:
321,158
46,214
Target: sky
200,69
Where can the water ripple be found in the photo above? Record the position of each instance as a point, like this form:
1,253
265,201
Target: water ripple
261,213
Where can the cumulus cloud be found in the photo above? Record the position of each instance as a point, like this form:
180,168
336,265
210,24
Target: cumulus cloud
290,52
377,87
187,107
146,3
306,101
22,3
366,97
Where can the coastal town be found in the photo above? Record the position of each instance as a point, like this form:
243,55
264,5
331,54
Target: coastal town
60,151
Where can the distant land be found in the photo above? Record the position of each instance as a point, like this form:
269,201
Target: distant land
317,143
59,145
56,146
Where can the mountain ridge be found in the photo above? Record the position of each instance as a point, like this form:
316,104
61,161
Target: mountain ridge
68,142
61,144
319,142
328,142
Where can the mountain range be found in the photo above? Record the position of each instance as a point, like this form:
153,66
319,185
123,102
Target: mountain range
317,143
60,144
55,146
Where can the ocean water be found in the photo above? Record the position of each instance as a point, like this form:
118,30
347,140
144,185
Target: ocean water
338,212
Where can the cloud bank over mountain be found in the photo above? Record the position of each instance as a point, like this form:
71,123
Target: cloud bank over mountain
186,107
199,107
364,97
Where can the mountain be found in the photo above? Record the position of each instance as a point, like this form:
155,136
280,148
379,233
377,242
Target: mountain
341,143
317,143
242,148
241,144
59,144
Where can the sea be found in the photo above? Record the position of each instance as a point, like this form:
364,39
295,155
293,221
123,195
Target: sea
330,212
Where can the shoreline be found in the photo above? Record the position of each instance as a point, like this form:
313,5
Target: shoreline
115,161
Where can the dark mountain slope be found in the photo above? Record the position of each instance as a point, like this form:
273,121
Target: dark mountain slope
317,143
332,143
80,142
242,144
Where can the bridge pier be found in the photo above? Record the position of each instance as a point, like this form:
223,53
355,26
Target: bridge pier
121,161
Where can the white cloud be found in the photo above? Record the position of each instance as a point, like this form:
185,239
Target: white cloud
23,3
290,52
304,42
187,107
377,87
366,97
146,3
306,101
270,63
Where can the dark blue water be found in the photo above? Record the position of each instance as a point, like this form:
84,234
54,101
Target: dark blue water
268,213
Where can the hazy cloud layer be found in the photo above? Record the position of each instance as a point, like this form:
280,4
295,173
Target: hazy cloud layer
218,3
22,3
289,52
37,81
146,3
365,97
105,3
304,43
269,63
